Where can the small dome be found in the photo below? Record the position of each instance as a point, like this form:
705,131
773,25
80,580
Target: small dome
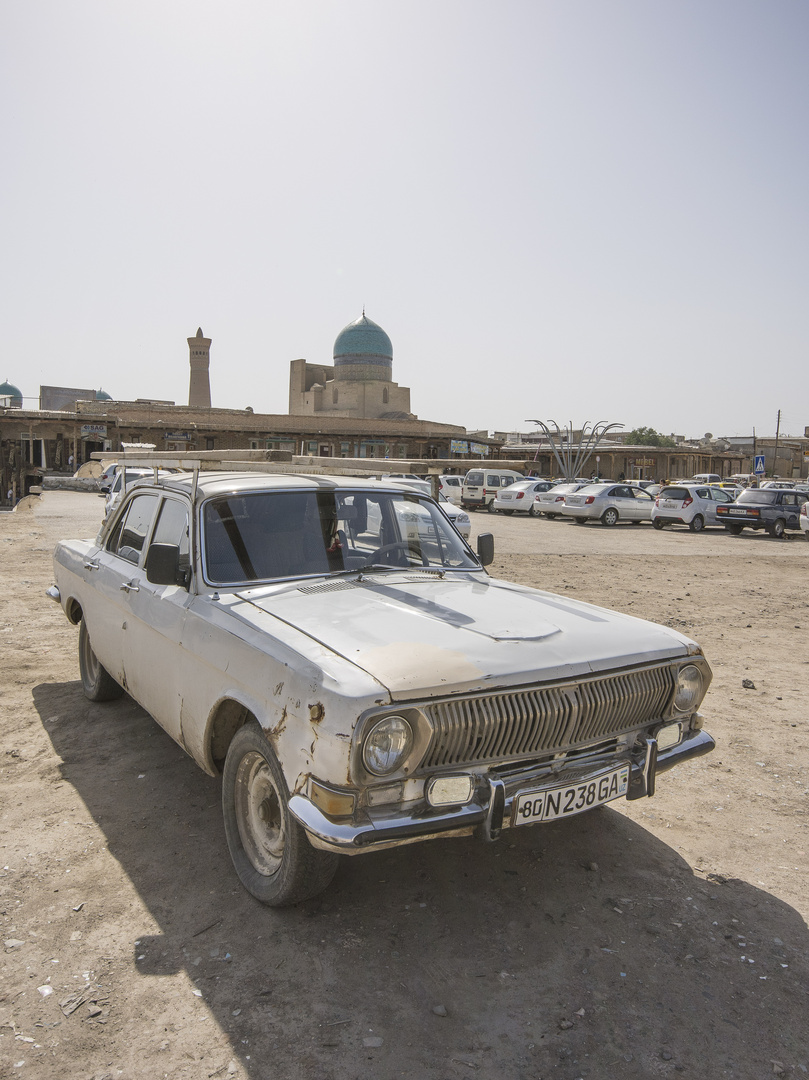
9,390
363,337
102,395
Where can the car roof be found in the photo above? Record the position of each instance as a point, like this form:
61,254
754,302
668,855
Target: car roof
225,483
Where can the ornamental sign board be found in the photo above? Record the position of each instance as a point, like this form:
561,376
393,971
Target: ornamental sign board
93,431
458,446
479,448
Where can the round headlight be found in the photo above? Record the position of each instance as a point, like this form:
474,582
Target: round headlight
689,688
387,744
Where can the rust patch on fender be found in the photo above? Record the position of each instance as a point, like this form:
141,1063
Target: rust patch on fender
277,731
316,712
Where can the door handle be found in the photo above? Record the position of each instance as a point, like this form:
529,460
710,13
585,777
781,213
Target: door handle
90,565
129,586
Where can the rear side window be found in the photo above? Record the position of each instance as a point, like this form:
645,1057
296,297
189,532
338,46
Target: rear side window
130,535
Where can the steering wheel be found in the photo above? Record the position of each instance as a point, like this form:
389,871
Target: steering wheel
399,545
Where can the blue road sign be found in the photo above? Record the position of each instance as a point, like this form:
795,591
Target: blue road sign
758,465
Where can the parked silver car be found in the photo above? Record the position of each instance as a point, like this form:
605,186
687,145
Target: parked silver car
550,502
609,504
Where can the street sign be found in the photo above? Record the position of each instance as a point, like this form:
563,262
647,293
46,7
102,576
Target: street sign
758,465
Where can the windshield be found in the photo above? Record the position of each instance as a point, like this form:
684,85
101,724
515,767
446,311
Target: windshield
264,536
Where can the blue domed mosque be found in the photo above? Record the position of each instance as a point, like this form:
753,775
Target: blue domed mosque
359,382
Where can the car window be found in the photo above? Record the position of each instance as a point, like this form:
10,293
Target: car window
474,478
703,492
172,528
788,499
721,496
644,496
492,481
129,536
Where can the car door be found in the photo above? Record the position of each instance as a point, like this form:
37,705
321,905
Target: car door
623,500
643,503
154,663
718,497
109,569
790,505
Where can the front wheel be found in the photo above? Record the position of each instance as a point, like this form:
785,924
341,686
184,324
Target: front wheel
777,528
270,851
610,516
96,681
697,523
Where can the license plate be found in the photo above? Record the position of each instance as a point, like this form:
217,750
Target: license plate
505,498
569,799
668,503
737,513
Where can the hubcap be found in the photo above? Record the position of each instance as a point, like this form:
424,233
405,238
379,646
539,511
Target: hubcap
259,814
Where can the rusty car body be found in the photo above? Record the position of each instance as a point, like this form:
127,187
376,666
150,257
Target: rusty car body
336,651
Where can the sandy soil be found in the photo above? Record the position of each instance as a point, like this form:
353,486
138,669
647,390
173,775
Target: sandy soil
659,938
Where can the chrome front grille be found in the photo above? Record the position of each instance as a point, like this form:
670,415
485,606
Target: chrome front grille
544,719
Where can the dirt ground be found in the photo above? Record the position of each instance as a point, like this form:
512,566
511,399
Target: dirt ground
660,938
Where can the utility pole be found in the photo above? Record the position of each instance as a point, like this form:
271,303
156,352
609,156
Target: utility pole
777,432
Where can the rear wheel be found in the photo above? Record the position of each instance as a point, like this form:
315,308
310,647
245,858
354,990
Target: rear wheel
96,681
491,507
658,523
580,521
697,523
610,516
533,512
270,850
547,515
735,529
508,513
777,528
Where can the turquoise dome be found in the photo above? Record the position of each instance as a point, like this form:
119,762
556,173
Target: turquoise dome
9,390
102,395
363,338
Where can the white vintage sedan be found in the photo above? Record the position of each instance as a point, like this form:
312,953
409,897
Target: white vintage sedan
336,651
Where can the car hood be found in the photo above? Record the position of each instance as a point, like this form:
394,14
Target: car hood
419,634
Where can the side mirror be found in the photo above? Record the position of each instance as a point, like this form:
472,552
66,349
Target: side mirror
163,565
486,549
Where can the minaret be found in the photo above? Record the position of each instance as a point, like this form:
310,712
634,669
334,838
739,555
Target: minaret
199,390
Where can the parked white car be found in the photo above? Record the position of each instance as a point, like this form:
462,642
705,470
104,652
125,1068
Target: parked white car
803,520
693,505
608,503
336,651
519,497
550,502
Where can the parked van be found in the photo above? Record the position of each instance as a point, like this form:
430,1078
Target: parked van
706,478
481,485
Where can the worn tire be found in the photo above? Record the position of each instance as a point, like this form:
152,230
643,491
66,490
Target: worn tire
697,523
270,851
96,681
610,516
776,530
658,523
491,507
735,529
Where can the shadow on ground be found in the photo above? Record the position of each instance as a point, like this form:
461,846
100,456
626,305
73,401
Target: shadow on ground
586,948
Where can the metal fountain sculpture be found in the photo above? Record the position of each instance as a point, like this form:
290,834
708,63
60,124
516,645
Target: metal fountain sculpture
572,457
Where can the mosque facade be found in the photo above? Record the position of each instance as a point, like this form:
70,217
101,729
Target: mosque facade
358,385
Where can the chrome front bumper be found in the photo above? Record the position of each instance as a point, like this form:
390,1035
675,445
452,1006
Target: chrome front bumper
388,826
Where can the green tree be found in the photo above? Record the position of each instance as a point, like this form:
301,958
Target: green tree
647,436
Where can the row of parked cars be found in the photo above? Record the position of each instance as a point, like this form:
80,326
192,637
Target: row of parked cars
777,506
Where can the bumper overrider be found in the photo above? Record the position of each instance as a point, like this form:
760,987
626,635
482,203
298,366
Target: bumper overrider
490,810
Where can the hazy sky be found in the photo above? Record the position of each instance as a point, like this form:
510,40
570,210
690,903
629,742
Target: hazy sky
567,209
